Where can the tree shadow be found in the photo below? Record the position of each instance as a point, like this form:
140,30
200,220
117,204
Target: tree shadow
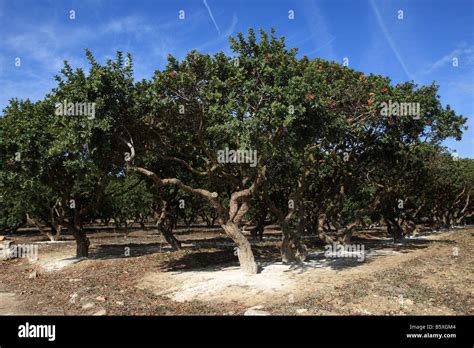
219,252
318,260
406,245
114,251
202,261
218,259
373,249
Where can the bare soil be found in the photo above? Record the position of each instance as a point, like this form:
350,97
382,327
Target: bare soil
137,274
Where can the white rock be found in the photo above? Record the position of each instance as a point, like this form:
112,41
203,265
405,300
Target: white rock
301,310
256,310
73,298
101,312
88,305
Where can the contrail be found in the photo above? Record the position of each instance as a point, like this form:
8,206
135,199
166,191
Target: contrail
389,39
212,17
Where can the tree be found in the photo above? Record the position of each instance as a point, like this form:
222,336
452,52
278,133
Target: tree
71,153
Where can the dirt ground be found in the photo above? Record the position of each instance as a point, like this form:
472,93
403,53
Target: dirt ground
137,274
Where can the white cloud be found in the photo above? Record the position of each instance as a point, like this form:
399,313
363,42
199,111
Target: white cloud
126,25
460,53
222,39
319,30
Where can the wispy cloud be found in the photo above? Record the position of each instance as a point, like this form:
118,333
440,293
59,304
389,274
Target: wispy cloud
126,24
389,39
212,17
319,30
221,41
467,53
43,45
43,49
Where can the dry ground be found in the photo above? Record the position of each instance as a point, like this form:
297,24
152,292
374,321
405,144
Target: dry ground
430,274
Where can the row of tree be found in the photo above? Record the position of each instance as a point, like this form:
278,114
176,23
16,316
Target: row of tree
328,160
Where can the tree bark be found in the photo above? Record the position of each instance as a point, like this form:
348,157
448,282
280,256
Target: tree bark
244,250
82,242
57,228
292,250
394,230
257,231
54,227
165,227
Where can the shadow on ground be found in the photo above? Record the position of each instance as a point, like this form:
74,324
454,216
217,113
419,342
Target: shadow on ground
219,252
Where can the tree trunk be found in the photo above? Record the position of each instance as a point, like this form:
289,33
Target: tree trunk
321,233
165,227
229,219
170,239
257,231
394,230
312,223
292,250
57,228
167,233
82,242
51,236
244,251
344,236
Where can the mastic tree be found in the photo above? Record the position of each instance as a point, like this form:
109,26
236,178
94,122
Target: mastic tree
317,149
25,198
72,152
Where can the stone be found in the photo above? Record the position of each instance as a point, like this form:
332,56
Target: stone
100,312
256,310
88,305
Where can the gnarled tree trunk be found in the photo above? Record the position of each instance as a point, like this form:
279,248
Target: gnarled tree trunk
229,219
55,233
342,235
257,231
165,226
394,230
244,250
82,242
292,250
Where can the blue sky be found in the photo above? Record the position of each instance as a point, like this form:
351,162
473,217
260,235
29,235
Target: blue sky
419,47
